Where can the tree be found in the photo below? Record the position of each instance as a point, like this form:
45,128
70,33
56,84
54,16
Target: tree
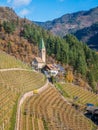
91,80
9,47
81,65
69,77
9,27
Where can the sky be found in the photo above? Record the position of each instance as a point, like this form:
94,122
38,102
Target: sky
45,10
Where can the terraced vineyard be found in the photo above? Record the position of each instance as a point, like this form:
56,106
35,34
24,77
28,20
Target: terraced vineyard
49,111
44,111
84,96
7,101
20,81
13,84
7,61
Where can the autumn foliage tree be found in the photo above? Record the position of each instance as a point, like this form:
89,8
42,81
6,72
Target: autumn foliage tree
69,77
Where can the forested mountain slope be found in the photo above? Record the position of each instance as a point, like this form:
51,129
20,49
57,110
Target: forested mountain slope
89,35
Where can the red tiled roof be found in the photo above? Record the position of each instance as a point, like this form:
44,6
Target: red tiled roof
51,67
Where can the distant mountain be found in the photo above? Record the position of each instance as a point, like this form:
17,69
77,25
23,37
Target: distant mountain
70,23
89,35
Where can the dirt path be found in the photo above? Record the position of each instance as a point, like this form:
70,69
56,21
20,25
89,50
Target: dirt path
10,69
28,94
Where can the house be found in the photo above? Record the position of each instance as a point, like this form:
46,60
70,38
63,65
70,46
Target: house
60,68
40,61
51,69
92,113
92,109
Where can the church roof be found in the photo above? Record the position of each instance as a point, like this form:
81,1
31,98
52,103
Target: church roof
41,45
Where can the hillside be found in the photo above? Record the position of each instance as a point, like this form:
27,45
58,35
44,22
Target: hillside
70,91
35,110
7,13
14,82
7,61
10,40
55,113
69,23
89,35
21,38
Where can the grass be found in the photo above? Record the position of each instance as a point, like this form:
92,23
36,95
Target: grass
7,61
45,124
13,117
61,90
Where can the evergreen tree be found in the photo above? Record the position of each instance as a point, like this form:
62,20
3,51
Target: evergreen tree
81,65
91,80
9,27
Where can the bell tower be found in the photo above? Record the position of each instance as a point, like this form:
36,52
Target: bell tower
42,51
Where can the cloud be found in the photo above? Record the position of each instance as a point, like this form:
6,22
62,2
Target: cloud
18,3
24,12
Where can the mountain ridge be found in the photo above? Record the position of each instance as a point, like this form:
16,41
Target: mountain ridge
7,13
89,35
71,22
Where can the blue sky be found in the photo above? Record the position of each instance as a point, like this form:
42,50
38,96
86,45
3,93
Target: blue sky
44,10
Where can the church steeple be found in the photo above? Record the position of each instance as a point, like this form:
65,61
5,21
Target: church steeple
42,51
41,45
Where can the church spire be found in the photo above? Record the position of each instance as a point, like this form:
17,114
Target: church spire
42,51
41,45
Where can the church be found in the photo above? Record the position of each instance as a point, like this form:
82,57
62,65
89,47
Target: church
40,61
